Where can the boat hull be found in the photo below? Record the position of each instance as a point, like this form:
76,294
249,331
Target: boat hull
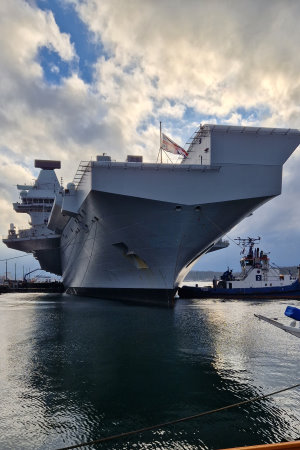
159,297
283,292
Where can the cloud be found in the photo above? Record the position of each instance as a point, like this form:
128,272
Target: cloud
38,119
24,29
213,56
229,62
180,62
12,172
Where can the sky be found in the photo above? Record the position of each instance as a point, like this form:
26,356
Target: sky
83,77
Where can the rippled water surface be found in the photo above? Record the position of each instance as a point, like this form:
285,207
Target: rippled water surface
77,369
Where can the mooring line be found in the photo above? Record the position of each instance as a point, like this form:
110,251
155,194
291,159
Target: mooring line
182,419
15,257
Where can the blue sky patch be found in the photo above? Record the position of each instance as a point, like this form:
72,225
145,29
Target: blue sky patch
254,114
191,115
86,47
53,66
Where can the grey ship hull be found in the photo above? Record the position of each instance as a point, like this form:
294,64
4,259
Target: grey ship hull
135,230
132,231
140,249
135,249
45,250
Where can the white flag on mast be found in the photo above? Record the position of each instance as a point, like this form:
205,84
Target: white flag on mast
170,146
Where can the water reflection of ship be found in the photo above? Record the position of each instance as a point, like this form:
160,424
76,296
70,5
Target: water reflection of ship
107,378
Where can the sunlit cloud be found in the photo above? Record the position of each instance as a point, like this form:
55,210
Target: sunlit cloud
83,77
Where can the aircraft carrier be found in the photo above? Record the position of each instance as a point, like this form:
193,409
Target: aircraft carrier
133,230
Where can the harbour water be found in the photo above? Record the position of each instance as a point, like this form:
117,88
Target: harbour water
74,369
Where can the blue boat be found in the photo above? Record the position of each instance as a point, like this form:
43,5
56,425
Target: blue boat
258,279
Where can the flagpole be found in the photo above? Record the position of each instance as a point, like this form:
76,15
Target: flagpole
160,142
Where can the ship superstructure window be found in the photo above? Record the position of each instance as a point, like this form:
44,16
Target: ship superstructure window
37,200
134,158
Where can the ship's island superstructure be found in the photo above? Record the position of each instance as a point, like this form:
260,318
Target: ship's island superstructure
133,230
37,200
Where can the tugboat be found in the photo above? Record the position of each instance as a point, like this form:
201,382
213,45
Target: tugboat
258,279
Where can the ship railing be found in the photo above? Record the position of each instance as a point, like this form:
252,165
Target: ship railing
274,278
26,233
244,274
21,234
83,168
198,134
